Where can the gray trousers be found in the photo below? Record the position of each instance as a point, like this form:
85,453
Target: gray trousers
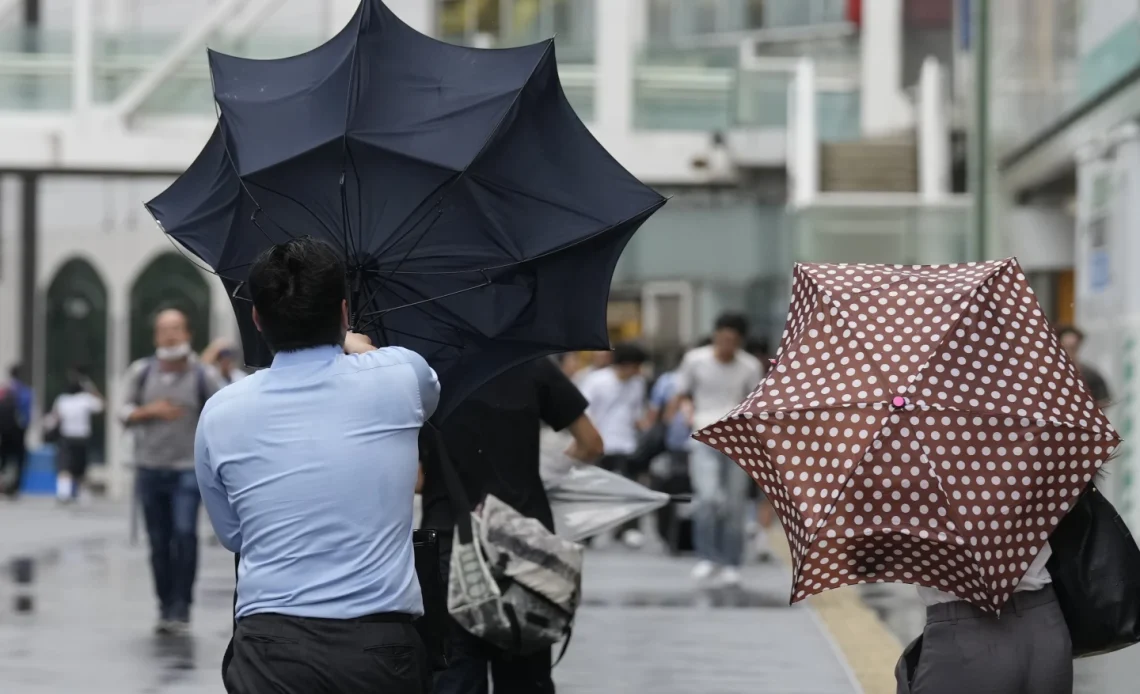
964,650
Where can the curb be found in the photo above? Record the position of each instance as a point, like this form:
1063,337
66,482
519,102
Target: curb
859,638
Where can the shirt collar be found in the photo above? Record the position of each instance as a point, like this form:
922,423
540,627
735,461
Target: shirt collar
310,355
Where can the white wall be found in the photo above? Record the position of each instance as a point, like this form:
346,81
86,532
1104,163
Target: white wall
885,108
1042,238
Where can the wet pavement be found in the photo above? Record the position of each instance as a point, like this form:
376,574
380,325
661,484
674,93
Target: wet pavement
641,628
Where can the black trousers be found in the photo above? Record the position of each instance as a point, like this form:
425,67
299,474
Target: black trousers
469,658
300,655
14,451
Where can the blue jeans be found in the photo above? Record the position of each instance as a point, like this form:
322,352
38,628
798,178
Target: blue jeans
170,501
720,498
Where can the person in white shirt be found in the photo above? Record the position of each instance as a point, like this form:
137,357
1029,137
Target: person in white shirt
71,416
717,378
616,395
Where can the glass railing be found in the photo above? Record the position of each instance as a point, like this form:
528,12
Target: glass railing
35,70
711,99
688,90
883,228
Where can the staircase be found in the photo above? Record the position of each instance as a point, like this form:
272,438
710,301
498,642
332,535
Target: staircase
880,165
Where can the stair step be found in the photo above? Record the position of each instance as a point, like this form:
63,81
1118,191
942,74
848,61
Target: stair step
880,165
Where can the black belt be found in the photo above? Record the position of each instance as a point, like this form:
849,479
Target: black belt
379,618
1018,602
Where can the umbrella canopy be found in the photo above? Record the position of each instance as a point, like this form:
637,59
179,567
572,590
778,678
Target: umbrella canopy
921,425
479,219
588,501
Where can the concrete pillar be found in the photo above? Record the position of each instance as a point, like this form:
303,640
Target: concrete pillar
615,56
803,135
120,453
885,109
82,56
933,133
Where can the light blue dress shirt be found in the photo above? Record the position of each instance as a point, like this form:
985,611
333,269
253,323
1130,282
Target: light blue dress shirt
308,468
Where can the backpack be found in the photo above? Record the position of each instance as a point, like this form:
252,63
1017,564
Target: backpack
512,582
199,375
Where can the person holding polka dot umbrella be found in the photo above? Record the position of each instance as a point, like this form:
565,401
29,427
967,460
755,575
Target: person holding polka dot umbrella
923,425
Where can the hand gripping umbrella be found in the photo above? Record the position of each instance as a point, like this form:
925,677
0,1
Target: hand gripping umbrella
921,425
479,220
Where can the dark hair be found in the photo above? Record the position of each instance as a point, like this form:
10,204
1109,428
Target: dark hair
1070,330
732,321
74,385
627,353
16,371
298,288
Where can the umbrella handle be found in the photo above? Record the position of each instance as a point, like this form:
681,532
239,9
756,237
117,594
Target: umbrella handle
680,498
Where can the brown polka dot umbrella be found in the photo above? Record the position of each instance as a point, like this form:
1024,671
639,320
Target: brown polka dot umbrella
920,425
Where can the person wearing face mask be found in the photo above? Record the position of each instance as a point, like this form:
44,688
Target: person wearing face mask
165,394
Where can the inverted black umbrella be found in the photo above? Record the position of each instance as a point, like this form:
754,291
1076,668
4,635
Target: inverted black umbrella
480,220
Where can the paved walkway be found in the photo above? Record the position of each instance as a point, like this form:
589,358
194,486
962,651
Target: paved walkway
641,629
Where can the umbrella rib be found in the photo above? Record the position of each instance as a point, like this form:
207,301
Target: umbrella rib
237,174
534,196
488,268
386,311
294,200
346,223
483,148
962,314
958,524
417,304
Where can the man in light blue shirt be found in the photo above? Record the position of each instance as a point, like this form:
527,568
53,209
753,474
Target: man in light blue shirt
308,470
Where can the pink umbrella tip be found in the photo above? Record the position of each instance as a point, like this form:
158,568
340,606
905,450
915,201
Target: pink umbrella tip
899,402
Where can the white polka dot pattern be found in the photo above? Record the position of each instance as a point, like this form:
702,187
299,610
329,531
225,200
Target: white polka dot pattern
921,425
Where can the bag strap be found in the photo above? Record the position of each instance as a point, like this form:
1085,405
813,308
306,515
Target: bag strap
565,645
203,391
456,494
140,382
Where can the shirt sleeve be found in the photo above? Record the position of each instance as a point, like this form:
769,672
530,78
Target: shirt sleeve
559,401
426,380
214,497
94,404
686,377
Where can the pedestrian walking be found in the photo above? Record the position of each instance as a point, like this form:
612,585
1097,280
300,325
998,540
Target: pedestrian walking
899,443
71,416
164,395
1072,340
308,471
716,378
616,395
765,516
221,356
493,440
15,416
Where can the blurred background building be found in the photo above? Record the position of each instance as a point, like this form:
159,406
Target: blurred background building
819,130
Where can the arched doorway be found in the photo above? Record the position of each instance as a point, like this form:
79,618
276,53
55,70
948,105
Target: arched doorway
77,336
170,281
